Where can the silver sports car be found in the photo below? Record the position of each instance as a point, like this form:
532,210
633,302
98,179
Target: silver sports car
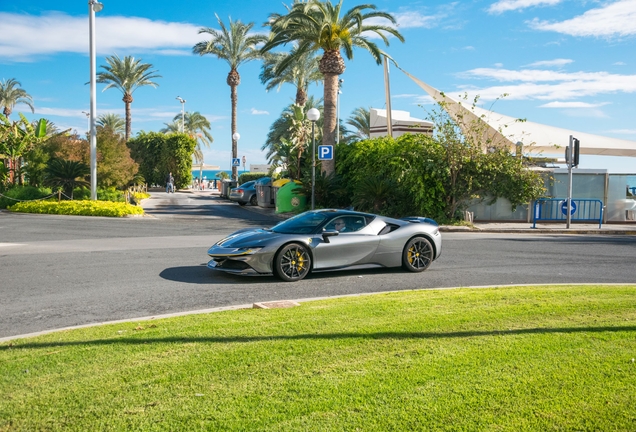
321,240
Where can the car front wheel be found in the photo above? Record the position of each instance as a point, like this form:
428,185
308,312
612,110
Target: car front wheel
292,263
254,200
417,254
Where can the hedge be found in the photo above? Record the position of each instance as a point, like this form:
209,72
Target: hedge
79,208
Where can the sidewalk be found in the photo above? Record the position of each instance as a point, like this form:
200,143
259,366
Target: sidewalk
627,228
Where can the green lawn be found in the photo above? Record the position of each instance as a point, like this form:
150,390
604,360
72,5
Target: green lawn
502,359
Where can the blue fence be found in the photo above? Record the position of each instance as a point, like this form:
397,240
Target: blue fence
555,209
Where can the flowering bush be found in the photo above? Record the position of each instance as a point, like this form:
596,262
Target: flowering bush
79,208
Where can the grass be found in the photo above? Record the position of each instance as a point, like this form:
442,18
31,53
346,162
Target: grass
502,359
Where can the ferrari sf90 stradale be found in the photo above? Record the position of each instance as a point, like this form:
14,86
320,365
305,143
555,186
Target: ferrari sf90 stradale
321,240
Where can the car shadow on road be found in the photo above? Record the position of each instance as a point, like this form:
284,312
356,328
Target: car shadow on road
200,274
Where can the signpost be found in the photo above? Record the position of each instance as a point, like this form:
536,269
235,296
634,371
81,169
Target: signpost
244,160
236,162
572,159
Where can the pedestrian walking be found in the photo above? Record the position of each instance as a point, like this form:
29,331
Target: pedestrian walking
169,183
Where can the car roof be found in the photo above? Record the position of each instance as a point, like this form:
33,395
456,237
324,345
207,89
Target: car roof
343,212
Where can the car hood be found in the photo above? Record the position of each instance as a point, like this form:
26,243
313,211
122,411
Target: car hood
247,238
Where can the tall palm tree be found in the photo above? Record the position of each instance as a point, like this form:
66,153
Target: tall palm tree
235,46
319,25
300,73
127,75
197,126
11,94
113,121
360,119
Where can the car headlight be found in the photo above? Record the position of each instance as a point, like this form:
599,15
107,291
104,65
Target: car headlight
247,251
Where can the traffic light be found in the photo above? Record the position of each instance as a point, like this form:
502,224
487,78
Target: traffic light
575,161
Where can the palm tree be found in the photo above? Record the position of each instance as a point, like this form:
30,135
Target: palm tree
300,73
360,119
281,128
11,95
112,121
127,75
66,174
197,126
236,47
318,25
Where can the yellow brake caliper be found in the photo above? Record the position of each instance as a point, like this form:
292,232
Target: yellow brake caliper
301,261
413,254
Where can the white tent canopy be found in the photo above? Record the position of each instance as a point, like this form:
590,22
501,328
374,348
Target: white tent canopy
536,138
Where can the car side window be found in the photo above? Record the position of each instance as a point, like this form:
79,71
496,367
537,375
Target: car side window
346,224
355,223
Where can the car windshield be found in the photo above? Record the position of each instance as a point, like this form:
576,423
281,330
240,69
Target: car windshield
304,223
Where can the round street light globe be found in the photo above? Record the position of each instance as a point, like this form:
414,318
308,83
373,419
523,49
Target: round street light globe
313,114
97,6
236,136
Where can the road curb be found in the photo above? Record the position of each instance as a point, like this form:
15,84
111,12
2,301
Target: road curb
537,231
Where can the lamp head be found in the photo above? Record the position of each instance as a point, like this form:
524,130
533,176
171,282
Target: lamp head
313,114
97,6
236,136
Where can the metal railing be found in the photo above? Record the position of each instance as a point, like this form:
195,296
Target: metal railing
555,209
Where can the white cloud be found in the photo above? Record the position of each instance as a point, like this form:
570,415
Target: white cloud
511,5
498,65
558,104
620,63
548,85
623,131
615,19
24,37
414,20
550,63
254,111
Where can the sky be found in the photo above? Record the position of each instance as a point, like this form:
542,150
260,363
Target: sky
564,63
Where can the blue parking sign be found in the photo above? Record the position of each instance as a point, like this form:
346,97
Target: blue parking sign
236,162
325,152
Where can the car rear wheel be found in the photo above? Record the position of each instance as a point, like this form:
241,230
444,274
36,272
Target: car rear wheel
417,254
292,262
254,200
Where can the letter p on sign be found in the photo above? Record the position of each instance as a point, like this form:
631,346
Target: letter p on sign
325,152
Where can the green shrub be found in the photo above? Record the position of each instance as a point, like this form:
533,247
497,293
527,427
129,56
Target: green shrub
23,193
249,176
108,194
79,208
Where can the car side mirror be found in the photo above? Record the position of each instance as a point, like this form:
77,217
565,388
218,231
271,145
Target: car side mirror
329,233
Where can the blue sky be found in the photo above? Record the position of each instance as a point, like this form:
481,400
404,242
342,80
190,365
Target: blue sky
565,63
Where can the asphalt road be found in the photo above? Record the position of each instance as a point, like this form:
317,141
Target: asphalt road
60,271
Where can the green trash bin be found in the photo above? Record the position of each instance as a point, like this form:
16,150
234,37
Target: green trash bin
290,199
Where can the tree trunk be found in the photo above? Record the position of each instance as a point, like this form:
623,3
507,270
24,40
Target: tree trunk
128,100
234,98
329,123
301,97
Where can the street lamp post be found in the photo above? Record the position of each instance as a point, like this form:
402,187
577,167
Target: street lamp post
235,136
313,115
340,81
88,117
182,113
93,6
